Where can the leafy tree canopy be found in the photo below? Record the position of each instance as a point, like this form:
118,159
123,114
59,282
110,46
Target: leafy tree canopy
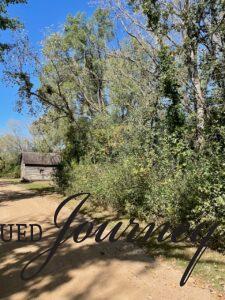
6,22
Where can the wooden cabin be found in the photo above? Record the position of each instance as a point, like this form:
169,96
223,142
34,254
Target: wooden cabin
38,166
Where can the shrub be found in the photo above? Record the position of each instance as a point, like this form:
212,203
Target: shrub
158,190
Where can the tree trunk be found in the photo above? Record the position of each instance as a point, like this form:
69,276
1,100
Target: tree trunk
200,102
200,115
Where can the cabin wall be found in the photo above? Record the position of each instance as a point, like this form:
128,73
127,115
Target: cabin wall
22,170
33,173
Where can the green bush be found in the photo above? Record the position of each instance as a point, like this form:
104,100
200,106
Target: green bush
202,197
157,190
120,185
11,171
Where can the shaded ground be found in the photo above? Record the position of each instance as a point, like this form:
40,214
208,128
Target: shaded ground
82,271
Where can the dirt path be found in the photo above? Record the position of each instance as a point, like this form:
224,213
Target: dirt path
82,271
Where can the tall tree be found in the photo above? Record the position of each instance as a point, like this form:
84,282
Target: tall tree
6,22
193,33
72,77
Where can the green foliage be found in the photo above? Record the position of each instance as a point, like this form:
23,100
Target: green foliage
9,164
6,22
151,9
11,146
170,89
10,170
171,184
142,126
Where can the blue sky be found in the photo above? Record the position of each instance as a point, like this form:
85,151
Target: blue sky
37,15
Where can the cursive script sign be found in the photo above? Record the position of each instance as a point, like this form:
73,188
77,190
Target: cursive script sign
131,232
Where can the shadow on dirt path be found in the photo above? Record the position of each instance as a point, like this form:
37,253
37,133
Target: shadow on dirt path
81,271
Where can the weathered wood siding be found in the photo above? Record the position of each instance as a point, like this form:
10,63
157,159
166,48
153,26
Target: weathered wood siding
22,170
33,173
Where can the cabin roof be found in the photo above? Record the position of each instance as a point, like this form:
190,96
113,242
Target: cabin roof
41,159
